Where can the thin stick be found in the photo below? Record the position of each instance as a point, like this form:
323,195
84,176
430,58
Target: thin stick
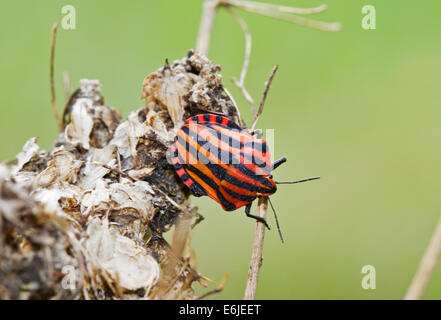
247,34
241,82
216,290
270,10
204,35
251,5
242,124
246,94
427,266
256,253
284,15
66,83
51,76
265,93
202,45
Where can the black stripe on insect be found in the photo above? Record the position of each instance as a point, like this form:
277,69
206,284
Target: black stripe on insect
231,183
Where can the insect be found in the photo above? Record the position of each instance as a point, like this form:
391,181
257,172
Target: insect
215,157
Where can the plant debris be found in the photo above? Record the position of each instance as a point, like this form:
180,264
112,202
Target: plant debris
86,219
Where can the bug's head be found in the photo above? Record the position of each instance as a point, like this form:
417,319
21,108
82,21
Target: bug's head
278,163
271,184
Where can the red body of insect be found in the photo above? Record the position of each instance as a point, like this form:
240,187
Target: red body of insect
215,157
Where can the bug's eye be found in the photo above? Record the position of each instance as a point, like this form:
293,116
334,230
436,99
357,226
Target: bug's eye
270,177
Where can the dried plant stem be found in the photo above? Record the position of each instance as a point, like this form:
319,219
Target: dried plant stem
265,93
247,34
265,9
66,83
287,13
216,290
426,267
241,82
208,16
306,22
256,254
251,5
242,123
51,76
246,95
259,233
202,45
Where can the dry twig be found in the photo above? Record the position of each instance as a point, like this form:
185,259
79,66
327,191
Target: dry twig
427,266
66,84
265,93
241,82
208,16
216,290
256,253
51,76
265,9
287,14
274,11
79,215
251,5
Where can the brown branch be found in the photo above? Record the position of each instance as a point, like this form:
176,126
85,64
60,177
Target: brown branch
259,233
265,9
242,123
51,76
265,93
66,83
216,290
250,5
256,253
246,95
204,35
203,42
286,13
426,267
247,34
240,84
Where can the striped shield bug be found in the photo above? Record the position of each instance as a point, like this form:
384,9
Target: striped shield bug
215,157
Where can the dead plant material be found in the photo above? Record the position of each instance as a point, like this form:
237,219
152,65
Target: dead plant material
85,220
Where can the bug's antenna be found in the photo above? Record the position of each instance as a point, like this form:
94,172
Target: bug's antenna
298,181
277,163
277,221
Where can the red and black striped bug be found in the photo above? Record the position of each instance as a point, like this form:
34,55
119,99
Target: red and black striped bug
215,157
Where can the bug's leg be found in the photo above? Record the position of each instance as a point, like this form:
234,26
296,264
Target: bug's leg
257,133
260,219
278,163
199,218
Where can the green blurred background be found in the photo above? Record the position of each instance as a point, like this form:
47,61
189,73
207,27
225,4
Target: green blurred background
360,108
